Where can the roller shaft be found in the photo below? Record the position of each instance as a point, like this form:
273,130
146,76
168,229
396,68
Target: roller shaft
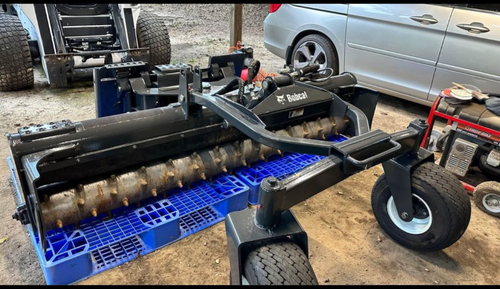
123,189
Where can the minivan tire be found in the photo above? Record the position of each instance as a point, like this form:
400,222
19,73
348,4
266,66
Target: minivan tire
327,58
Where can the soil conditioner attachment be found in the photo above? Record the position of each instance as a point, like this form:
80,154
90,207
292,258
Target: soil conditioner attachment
178,125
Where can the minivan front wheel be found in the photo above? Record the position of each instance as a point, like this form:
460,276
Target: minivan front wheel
317,49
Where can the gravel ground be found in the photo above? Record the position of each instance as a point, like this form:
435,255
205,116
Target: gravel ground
198,31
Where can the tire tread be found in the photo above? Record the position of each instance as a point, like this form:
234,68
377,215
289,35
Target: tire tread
153,33
280,263
16,67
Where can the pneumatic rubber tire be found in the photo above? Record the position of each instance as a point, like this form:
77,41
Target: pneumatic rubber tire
441,206
487,197
278,263
16,67
152,33
318,45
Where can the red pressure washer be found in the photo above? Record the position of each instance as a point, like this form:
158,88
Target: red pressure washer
470,140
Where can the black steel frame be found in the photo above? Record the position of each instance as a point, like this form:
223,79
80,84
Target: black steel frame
147,135
400,153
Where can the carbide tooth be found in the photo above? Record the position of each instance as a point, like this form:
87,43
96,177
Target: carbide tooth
179,183
154,192
99,190
59,223
238,154
143,169
262,157
113,178
216,148
279,152
143,183
170,161
170,174
93,212
203,177
224,169
217,160
244,163
80,187
323,136
195,154
45,198
196,167
81,202
125,201
113,191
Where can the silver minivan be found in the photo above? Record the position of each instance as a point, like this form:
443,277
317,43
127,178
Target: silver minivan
410,51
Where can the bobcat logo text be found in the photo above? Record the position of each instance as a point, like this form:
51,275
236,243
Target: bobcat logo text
291,97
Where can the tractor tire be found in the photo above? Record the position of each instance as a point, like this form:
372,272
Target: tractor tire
487,197
152,33
441,206
16,67
278,263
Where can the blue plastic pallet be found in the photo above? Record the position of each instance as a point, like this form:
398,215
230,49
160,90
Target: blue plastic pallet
101,243
278,167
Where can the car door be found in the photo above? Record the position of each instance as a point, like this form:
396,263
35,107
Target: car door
394,48
471,49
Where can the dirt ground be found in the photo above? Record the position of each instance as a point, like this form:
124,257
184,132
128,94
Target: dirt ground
346,244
